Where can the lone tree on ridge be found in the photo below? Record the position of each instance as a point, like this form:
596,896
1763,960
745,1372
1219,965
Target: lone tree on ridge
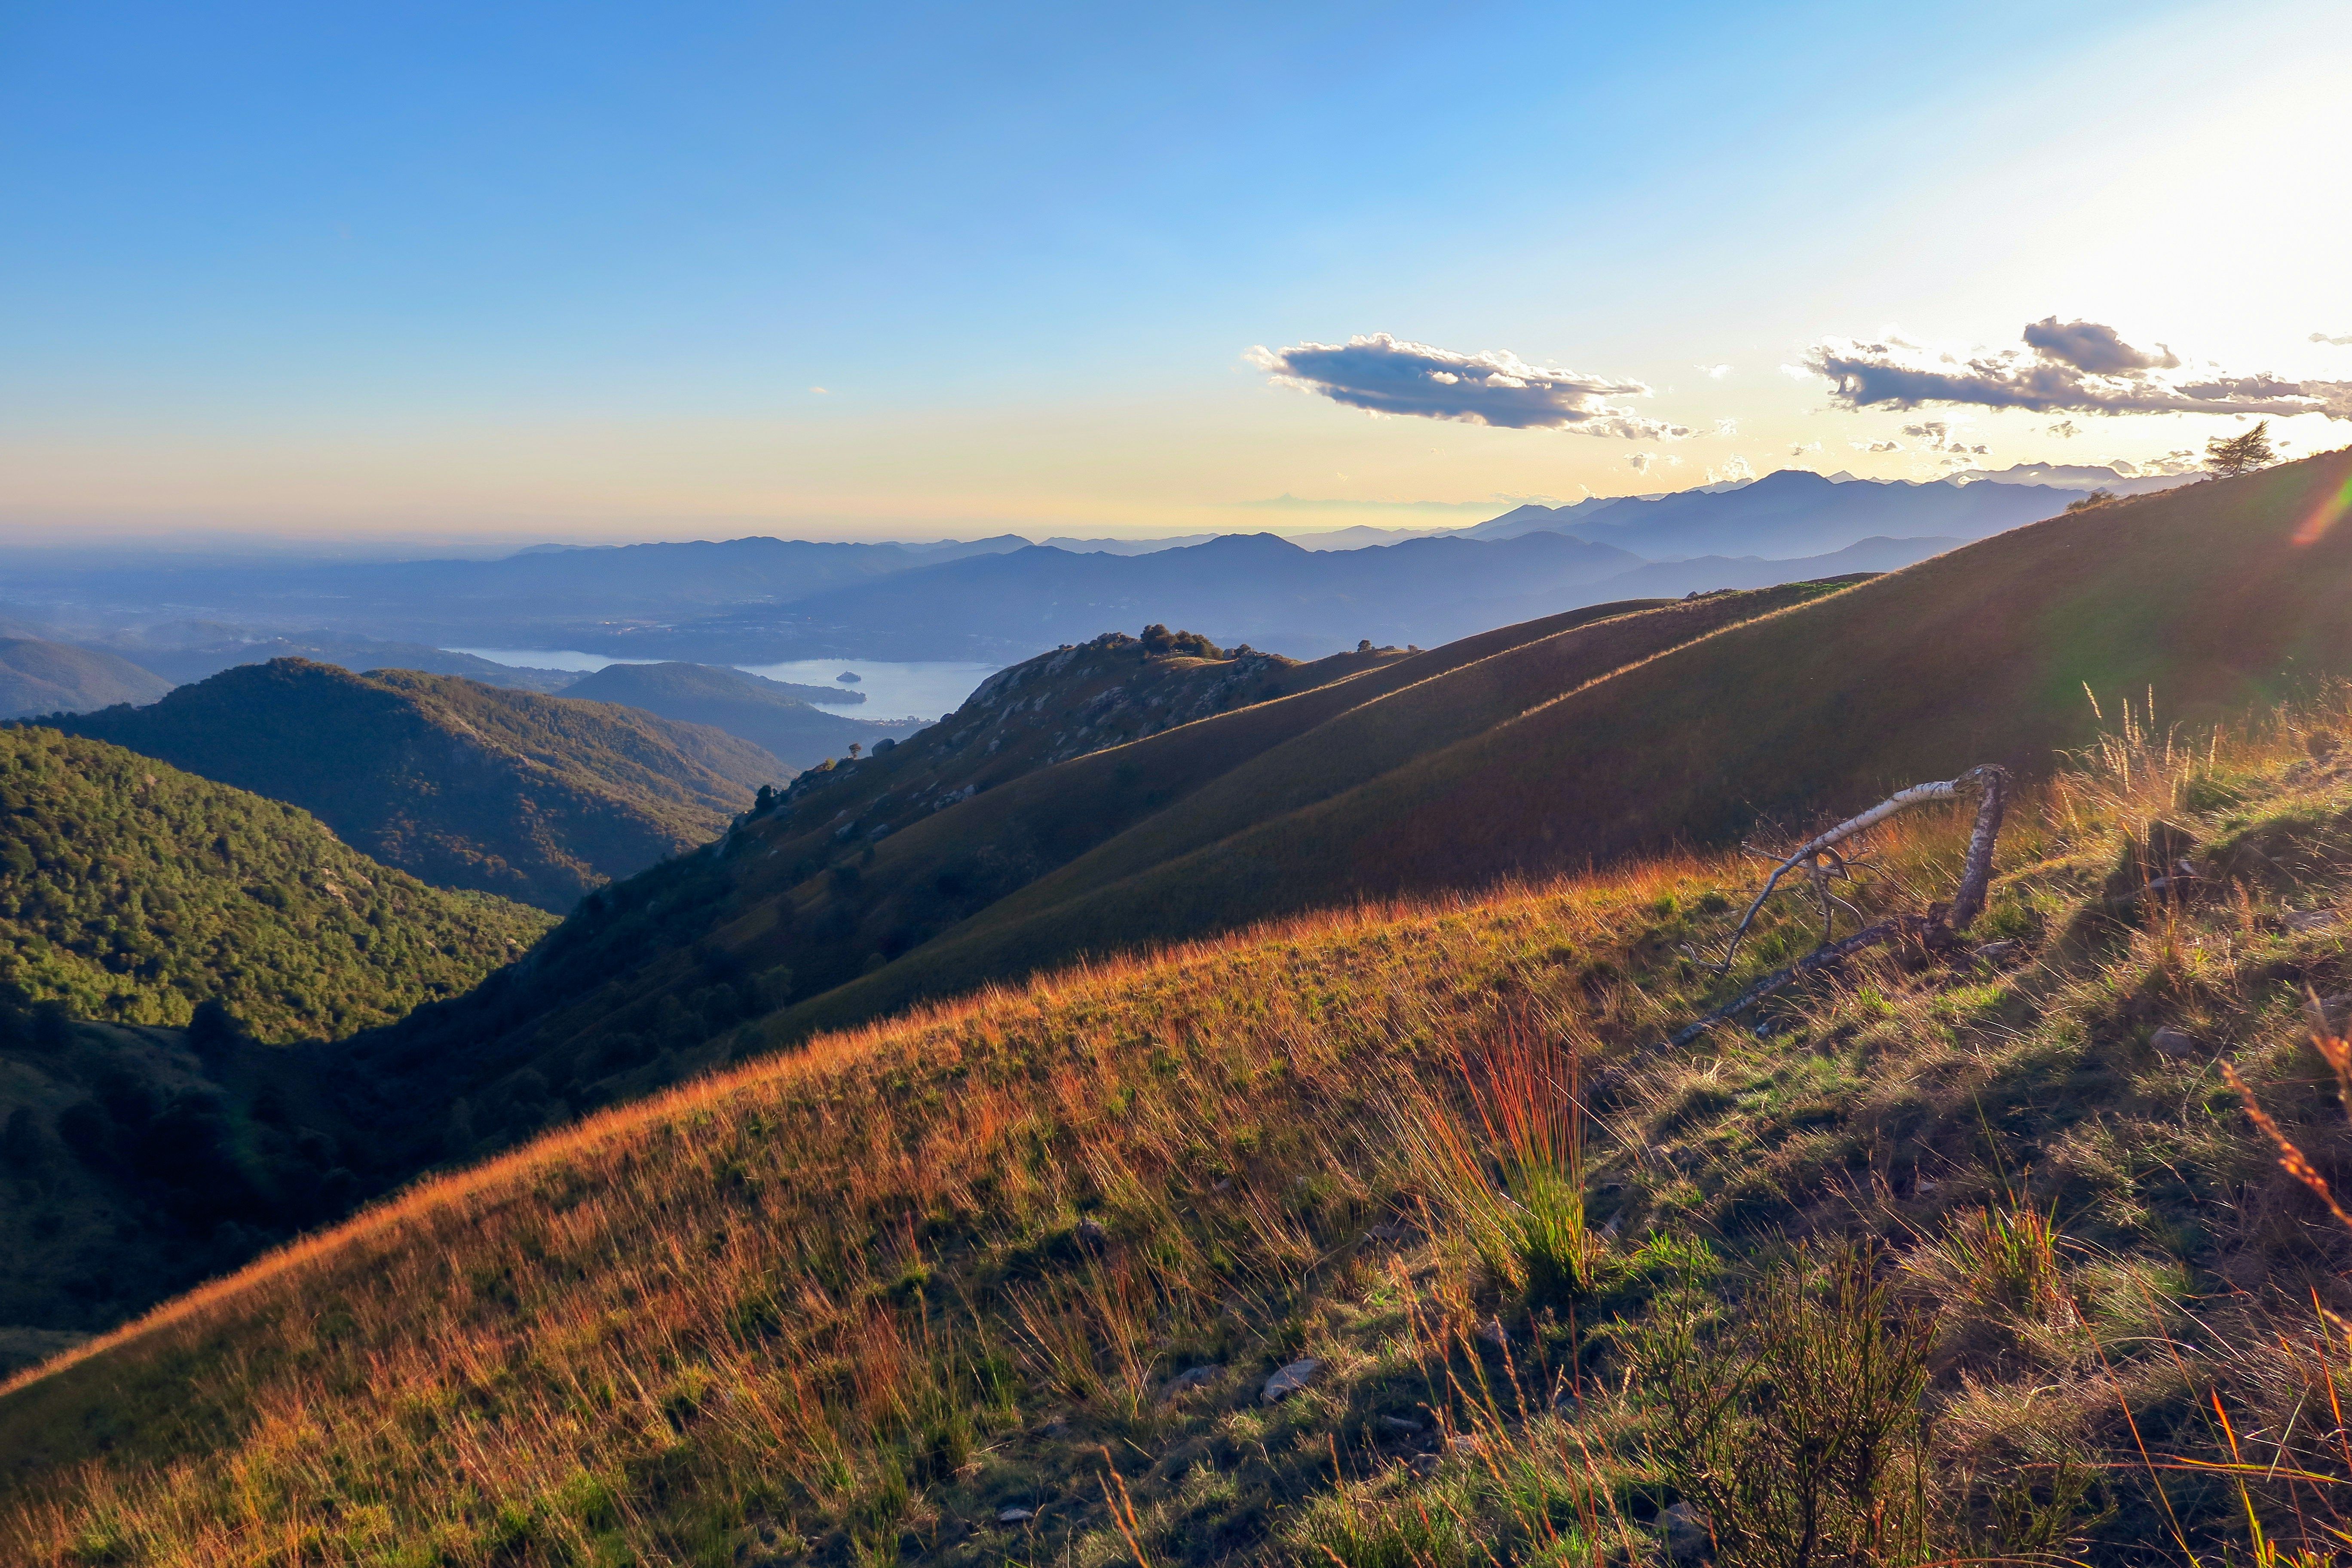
2239,454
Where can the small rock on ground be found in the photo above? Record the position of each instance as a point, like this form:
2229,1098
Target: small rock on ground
1013,1516
1184,1382
2309,919
2174,1042
1687,1536
1290,1379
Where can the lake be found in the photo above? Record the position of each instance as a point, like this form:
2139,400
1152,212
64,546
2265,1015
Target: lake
923,688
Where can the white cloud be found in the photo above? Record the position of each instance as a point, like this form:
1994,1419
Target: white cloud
2065,428
1875,445
1737,470
820,391
1802,448
1717,372
1796,373
2340,343
1386,376
1641,460
1726,426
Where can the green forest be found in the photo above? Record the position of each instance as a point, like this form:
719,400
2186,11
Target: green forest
131,891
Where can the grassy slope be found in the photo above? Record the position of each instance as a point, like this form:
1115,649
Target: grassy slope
1297,754
536,798
2200,595
845,1306
634,990
131,891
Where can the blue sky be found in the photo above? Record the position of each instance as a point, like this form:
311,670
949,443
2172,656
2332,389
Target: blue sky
578,272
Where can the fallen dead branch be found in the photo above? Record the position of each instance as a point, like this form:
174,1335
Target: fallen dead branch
1938,929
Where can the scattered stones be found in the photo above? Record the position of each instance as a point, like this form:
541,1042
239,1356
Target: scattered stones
2309,919
1290,1380
2172,1041
1013,1516
1184,1382
1091,1235
1465,1443
1999,952
1686,1533
1400,1422
1423,1465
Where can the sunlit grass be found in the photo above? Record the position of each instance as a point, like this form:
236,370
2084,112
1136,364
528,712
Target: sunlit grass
853,1303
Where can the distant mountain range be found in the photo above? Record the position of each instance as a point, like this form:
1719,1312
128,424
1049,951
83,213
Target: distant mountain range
536,798
752,601
1791,514
1256,590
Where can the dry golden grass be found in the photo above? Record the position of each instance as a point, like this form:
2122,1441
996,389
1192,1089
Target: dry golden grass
845,1305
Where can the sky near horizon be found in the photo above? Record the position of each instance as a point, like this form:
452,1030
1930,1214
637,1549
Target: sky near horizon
598,272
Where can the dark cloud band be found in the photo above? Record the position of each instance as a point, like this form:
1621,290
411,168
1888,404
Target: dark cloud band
1383,374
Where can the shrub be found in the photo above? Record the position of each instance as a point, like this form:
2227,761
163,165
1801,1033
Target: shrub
1795,1428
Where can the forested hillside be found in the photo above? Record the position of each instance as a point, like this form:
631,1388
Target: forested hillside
532,797
131,891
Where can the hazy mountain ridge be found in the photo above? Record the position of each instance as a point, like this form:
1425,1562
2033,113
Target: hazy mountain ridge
40,676
1791,514
183,661
534,797
1245,588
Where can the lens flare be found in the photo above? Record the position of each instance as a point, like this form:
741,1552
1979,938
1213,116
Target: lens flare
2314,526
